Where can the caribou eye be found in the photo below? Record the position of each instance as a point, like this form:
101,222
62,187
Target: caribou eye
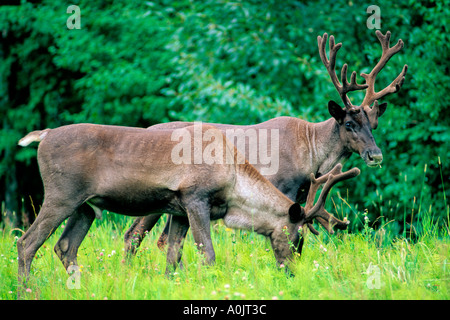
348,125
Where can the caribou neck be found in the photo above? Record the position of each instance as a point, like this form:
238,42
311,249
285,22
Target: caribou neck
256,204
326,147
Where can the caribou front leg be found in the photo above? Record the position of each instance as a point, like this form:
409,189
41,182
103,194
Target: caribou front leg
137,232
177,232
199,220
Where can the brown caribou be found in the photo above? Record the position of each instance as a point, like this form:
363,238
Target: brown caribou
86,168
310,147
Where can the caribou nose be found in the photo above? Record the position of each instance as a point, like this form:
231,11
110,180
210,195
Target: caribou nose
374,158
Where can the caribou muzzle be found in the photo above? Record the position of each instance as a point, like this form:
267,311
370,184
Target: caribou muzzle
373,157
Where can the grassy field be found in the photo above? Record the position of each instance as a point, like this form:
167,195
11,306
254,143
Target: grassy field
366,265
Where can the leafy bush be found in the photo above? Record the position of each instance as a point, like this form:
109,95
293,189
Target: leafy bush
236,62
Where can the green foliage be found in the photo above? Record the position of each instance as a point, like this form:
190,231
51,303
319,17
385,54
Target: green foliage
237,62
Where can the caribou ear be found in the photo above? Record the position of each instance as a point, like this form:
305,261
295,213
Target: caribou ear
336,111
376,112
296,213
382,109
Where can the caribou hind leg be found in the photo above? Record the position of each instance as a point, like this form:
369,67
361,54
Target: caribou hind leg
74,232
163,238
51,215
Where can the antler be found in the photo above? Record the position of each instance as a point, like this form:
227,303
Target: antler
330,65
395,86
318,211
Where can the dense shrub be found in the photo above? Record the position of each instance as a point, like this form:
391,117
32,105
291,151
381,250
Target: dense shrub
237,62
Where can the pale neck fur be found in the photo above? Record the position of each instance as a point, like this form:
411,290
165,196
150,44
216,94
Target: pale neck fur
325,148
257,205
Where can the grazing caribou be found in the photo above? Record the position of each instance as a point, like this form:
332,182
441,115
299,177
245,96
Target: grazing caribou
86,168
309,147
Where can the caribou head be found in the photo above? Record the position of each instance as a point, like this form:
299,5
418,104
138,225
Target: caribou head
301,216
357,122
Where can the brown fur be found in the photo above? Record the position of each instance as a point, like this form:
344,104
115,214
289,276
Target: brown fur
86,168
305,148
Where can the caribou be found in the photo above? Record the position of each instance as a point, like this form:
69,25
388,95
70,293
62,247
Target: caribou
307,147
87,168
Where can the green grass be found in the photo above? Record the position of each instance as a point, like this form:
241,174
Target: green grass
342,266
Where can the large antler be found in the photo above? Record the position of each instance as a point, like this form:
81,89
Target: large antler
395,86
318,211
330,65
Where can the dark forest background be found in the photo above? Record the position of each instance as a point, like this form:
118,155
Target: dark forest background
138,63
